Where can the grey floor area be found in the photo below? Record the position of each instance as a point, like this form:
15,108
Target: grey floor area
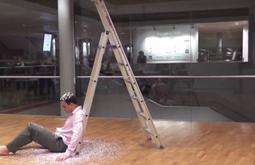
114,105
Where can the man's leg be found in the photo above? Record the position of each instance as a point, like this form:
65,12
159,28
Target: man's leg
40,135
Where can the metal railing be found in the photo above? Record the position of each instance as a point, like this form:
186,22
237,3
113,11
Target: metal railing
150,77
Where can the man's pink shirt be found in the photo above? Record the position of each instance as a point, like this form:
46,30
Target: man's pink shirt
72,131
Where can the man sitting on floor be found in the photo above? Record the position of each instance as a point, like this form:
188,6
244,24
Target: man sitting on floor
65,139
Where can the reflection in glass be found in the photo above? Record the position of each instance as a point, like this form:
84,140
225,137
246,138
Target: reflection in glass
29,96
178,99
47,40
223,41
167,44
25,48
84,49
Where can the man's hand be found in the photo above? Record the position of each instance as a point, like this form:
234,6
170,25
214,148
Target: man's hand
62,157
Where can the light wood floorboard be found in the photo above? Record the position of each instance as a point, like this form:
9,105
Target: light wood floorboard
122,142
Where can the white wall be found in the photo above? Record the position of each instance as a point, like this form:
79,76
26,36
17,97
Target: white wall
167,43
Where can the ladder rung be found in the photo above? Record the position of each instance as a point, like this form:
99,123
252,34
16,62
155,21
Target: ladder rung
143,115
149,132
122,64
127,80
135,97
93,80
115,46
101,47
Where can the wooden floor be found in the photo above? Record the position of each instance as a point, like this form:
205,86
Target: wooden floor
122,142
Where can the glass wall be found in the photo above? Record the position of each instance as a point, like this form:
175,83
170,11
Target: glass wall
178,99
28,58
194,62
191,63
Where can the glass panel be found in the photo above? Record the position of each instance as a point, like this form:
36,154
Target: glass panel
223,41
29,47
29,96
28,42
88,28
179,99
166,41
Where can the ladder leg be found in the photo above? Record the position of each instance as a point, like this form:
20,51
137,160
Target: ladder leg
94,76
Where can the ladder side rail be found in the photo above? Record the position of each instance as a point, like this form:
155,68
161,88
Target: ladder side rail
130,74
127,72
109,26
134,90
113,38
92,84
94,74
130,89
139,104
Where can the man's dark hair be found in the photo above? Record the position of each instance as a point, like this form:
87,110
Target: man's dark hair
69,98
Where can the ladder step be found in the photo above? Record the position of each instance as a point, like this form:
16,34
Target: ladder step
149,132
135,97
93,80
115,46
101,47
143,115
127,80
123,64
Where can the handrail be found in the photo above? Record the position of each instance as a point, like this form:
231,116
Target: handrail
152,77
181,77
28,77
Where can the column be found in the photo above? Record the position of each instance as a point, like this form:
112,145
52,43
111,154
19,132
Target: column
66,46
